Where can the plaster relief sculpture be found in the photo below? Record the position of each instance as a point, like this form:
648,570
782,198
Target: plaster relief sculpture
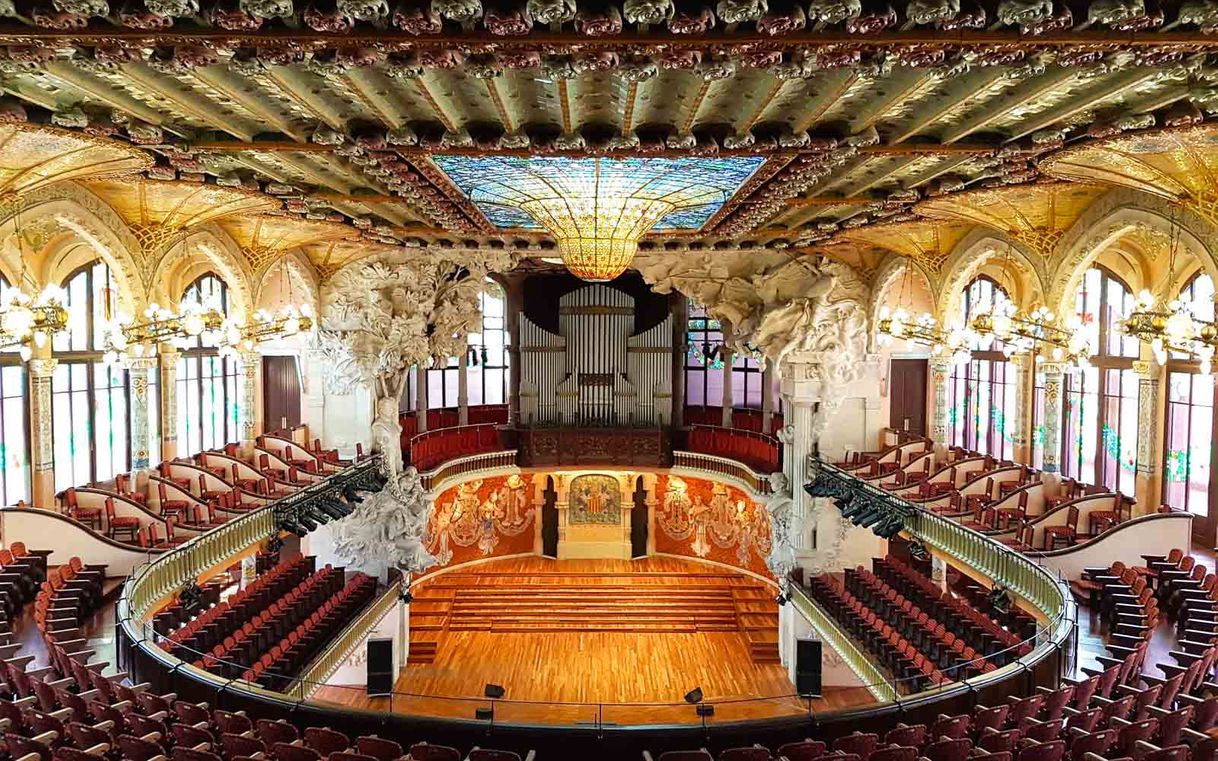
784,531
381,318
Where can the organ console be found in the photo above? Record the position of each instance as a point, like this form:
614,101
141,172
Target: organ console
594,372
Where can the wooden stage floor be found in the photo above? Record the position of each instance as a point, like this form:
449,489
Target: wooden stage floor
594,641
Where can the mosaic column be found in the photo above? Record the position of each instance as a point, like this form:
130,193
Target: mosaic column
251,366
140,371
1054,374
728,359
42,441
1019,427
169,402
1148,484
940,372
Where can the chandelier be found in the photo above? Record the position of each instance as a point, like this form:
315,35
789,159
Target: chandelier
128,341
597,209
28,322
236,336
1173,329
898,324
1032,334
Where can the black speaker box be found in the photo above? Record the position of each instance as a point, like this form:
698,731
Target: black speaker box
380,666
807,667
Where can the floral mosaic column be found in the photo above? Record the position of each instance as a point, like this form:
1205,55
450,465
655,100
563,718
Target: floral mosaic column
1053,373
1148,480
940,370
251,365
169,402
42,441
1018,428
140,371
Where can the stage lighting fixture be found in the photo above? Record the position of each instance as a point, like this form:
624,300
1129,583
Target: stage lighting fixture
309,525
327,506
889,528
1000,599
870,517
274,544
292,527
704,710
494,691
694,696
352,495
484,714
918,552
406,597
783,598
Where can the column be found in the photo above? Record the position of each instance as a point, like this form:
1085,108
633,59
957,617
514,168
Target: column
513,299
1148,482
728,358
420,398
463,390
1053,374
940,377
1020,427
314,415
169,402
680,349
767,397
141,371
42,442
251,364
797,446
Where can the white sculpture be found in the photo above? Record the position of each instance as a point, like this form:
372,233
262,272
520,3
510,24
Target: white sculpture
381,318
784,533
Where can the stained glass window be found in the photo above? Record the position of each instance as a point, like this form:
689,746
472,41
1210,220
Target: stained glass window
207,384
14,444
982,391
500,186
1188,443
1100,404
90,401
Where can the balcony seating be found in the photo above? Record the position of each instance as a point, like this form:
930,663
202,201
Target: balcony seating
430,449
127,525
90,516
759,451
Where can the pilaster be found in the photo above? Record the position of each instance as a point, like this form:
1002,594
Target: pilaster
940,376
767,397
42,443
169,402
1020,427
463,390
1053,373
1148,481
728,358
141,372
251,369
420,405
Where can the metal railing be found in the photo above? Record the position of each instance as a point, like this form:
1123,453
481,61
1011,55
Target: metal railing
860,663
322,667
463,466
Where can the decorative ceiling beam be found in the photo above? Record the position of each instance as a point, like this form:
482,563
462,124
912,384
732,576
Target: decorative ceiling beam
492,90
425,93
905,149
973,87
694,106
827,201
762,105
103,92
377,103
628,105
276,75
203,111
220,79
564,102
876,108
1024,93
826,99
1104,90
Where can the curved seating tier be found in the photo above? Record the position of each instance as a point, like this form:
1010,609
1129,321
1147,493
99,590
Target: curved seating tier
757,450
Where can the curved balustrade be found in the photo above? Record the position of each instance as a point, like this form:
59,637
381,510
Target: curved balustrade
450,417
757,450
428,450
721,467
742,420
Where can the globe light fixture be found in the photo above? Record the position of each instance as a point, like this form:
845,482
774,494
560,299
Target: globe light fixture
1171,329
128,341
30,321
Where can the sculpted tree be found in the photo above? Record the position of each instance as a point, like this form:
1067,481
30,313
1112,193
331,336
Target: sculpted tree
381,318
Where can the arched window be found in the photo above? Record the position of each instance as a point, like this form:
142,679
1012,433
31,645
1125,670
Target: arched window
488,359
1100,404
1187,450
90,400
207,384
14,443
982,392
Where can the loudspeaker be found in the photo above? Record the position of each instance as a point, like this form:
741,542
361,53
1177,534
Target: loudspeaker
807,666
380,666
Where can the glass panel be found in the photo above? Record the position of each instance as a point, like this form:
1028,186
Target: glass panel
14,450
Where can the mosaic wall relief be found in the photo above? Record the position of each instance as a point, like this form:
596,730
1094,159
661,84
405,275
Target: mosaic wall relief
483,518
711,521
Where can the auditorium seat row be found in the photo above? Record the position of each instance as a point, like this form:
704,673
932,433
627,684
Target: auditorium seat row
759,451
428,450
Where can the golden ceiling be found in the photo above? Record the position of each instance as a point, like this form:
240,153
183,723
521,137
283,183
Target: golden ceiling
35,156
177,205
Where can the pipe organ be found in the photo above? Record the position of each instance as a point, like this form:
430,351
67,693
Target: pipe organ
595,373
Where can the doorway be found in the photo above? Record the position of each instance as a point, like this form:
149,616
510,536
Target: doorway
280,393
638,521
907,396
549,520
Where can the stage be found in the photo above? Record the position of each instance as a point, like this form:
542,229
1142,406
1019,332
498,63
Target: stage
594,641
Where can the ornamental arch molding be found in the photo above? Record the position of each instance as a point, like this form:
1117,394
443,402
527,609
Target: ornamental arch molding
889,277
1115,216
301,274
981,249
90,230
206,249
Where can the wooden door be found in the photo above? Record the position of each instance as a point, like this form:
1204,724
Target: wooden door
280,393
907,400
549,521
638,522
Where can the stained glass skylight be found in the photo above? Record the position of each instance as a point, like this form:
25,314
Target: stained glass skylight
502,187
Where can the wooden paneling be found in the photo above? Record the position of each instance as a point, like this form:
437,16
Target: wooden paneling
280,393
907,399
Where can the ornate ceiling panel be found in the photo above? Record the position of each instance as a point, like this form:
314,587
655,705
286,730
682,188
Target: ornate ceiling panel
1178,164
33,157
177,205
927,243
265,239
1036,215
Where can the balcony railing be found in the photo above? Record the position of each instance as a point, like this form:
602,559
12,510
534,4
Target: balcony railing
724,468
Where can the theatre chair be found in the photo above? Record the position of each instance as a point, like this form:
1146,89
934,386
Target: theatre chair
127,525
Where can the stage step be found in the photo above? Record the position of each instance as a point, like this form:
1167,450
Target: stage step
421,651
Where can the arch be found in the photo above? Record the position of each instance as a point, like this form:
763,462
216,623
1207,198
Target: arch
305,283
891,273
93,230
206,249
1016,271
1115,216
